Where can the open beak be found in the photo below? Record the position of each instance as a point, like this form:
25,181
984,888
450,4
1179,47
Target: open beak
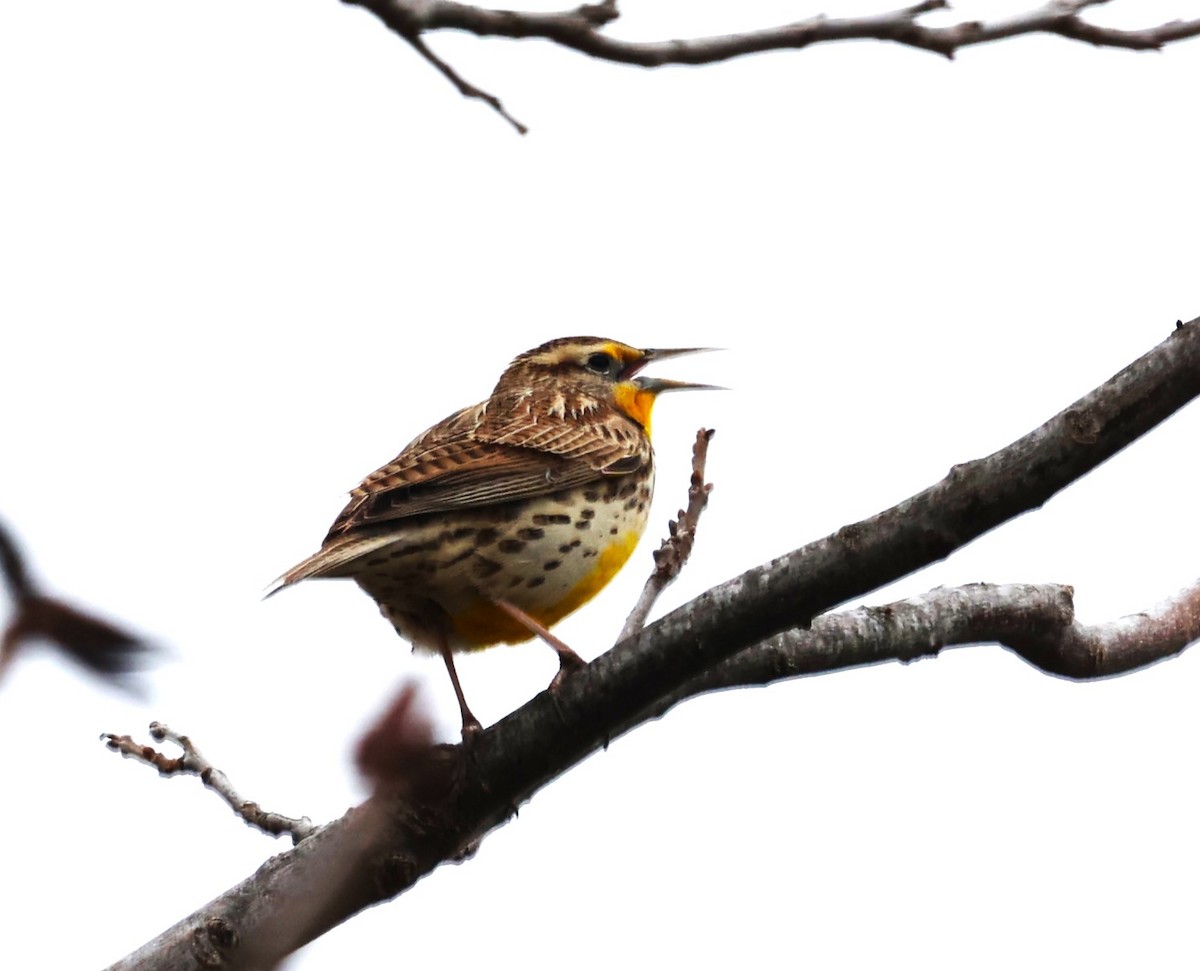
659,385
652,354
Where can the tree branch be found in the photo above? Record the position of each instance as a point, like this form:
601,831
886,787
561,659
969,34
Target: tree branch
1036,622
508,762
582,29
193,762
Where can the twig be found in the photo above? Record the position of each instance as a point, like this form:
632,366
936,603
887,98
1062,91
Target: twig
677,547
465,88
192,762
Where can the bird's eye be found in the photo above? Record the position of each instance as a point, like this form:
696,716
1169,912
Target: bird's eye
600,363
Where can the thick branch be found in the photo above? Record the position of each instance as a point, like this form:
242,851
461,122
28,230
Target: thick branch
515,757
1036,622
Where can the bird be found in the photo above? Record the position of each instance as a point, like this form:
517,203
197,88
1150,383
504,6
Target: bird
497,522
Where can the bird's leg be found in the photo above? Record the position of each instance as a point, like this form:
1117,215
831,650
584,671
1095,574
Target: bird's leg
568,660
470,724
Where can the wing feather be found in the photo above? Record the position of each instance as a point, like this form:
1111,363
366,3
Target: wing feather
487,455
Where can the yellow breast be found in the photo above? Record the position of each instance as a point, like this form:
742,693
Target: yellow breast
482,624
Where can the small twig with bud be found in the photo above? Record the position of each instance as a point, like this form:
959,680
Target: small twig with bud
677,547
193,762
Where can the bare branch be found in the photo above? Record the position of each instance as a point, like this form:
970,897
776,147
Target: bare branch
670,558
1036,622
510,761
193,762
581,29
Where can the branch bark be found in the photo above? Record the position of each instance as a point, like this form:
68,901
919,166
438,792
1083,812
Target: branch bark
582,29
1035,622
247,927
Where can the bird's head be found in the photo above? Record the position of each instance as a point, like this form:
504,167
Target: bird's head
578,374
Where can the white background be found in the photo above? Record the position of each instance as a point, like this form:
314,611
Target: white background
250,249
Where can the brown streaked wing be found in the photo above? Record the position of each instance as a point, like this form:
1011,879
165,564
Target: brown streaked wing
464,466
601,436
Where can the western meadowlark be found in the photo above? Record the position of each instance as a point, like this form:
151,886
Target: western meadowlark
496,523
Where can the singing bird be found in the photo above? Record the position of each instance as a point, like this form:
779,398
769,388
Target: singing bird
497,522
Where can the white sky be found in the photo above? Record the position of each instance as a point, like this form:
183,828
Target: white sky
250,249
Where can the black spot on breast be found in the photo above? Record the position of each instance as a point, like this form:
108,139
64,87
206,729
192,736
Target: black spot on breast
515,582
587,513
541,519
462,531
613,531
458,559
510,546
551,565
530,533
588,552
484,567
591,495
627,490
567,547
535,582
486,537
584,524
631,505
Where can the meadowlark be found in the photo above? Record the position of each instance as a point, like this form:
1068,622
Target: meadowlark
499,521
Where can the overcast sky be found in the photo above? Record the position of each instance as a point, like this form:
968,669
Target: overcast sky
250,249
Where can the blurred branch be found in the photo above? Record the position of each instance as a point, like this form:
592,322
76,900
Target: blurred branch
482,785
16,576
582,29
103,648
671,556
193,762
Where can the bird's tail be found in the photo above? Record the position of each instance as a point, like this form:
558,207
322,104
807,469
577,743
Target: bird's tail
329,561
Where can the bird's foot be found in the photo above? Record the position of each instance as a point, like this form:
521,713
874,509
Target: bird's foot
568,664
